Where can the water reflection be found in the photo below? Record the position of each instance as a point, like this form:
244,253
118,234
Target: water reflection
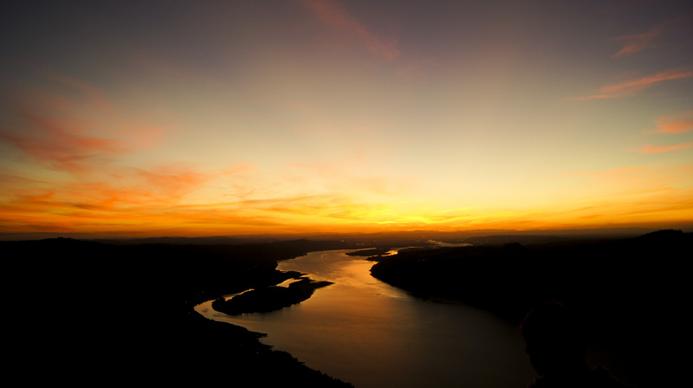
370,334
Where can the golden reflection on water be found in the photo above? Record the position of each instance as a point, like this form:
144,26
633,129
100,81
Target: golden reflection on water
371,334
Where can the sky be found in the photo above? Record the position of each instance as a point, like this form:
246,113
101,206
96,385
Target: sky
146,118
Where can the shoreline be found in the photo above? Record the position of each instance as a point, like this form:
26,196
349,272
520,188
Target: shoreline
132,316
302,290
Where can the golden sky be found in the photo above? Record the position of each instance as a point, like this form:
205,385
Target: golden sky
278,117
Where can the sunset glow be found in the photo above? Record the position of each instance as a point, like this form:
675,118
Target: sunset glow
289,117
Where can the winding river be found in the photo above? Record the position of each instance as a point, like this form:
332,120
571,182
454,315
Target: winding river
370,334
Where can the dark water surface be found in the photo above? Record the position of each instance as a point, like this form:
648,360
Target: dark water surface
370,334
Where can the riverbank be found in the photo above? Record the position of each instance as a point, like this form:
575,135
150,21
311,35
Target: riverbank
371,334
83,311
628,291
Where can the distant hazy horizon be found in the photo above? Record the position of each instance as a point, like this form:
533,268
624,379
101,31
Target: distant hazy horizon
385,235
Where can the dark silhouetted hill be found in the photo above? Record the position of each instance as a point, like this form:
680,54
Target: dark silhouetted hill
630,292
86,312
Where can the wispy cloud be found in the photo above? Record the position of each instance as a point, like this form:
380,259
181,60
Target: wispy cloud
100,207
632,44
660,149
632,86
60,143
59,129
174,181
334,15
681,123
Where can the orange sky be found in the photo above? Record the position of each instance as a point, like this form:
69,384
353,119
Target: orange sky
325,116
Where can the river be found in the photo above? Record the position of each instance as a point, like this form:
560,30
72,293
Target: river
370,334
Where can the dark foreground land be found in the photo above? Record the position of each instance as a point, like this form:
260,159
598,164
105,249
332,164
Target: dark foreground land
90,313
630,294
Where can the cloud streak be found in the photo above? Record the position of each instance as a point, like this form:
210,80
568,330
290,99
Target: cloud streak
60,144
650,149
61,132
672,125
109,208
633,86
633,44
334,15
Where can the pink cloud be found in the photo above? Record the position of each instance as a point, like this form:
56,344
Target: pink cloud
60,144
58,128
334,15
653,149
173,181
632,44
676,124
633,86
